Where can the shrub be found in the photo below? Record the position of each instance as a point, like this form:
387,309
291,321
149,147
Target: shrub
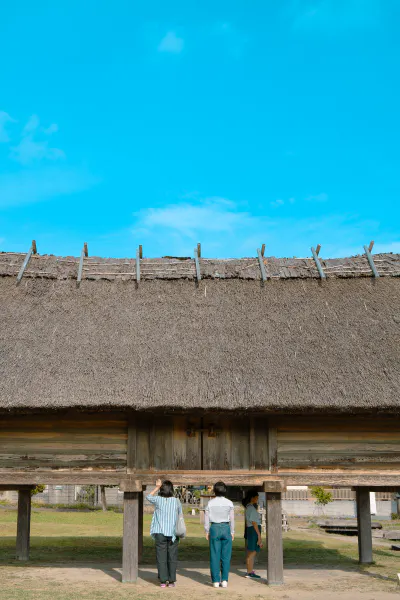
322,497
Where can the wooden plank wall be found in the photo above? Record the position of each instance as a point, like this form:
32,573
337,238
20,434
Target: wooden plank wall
99,442
218,442
347,442
42,442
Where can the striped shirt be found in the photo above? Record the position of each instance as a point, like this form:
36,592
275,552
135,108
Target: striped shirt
165,515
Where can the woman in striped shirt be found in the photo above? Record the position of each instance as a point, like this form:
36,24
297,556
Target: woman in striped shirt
162,530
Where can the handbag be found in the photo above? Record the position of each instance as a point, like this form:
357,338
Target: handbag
180,527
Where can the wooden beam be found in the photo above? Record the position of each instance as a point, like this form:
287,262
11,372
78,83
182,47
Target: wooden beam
131,485
263,250
252,444
274,485
197,263
23,524
317,249
131,448
262,266
140,527
364,526
371,260
32,250
137,265
199,250
140,251
130,554
274,538
343,479
318,262
368,479
273,449
16,488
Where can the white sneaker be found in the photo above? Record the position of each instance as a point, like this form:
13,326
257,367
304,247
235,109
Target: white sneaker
224,584
216,584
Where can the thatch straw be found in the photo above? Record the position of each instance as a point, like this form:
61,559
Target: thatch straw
226,344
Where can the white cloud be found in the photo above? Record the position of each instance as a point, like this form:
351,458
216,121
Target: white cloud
228,229
35,145
280,202
171,43
323,197
29,186
5,119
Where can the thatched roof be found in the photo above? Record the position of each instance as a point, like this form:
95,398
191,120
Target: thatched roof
289,345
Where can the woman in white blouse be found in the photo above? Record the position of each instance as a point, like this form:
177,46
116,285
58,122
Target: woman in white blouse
219,525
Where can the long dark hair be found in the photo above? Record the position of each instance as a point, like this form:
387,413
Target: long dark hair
249,495
166,489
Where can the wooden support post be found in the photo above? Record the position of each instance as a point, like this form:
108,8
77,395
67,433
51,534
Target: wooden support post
23,524
199,250
140,528
274,538
130,547
364,525
140,251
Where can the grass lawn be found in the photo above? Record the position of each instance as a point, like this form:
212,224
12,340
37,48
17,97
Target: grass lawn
95,537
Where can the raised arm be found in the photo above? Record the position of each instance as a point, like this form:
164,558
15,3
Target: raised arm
151,497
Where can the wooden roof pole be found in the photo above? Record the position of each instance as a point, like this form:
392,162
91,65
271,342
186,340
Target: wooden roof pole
84,253
315,253
368,250
262,266
32,250
197,262
138,265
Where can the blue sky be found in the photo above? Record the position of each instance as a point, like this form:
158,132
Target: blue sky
229,123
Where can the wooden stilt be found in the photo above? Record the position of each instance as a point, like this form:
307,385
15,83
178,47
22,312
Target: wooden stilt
130,539
23,524
364,525
274,538
140,528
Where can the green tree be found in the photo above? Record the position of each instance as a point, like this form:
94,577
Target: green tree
322,497
38,489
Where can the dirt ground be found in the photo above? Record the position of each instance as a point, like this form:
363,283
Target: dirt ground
98,582
78,555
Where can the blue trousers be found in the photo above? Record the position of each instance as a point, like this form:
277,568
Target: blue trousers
220,551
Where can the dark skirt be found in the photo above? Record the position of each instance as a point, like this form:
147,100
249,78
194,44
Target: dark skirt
252,539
